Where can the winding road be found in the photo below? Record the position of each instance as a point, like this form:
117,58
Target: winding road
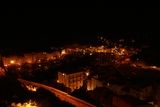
60,94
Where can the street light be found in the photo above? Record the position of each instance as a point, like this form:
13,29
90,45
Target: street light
12,61
87,73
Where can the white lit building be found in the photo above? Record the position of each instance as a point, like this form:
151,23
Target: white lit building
93,83
73,80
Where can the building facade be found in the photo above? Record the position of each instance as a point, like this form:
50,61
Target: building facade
93,83
72,80
76,80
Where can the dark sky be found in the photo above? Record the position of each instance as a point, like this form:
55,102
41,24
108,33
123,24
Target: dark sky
27,28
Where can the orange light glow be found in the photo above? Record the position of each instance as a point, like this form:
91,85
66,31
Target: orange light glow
29,61
153,67
5,65
58,81
31,88
19,64
26,104
12,62
63,52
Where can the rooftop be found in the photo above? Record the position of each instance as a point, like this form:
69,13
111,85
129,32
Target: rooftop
71,70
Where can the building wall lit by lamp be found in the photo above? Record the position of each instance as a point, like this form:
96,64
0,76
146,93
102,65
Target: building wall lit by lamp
93,83
72,80
61,78
63,52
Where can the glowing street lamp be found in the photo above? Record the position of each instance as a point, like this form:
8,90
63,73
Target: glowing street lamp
58,81
12,62
87,73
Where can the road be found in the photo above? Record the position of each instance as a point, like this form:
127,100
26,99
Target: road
60,94
143,66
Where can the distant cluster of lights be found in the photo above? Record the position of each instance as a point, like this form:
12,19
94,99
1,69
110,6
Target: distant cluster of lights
29,103
87,50
99,49
31,88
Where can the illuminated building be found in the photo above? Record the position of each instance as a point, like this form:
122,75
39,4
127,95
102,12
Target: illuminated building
93,83
16,60
73,80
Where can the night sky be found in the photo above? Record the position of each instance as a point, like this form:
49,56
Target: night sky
36,28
